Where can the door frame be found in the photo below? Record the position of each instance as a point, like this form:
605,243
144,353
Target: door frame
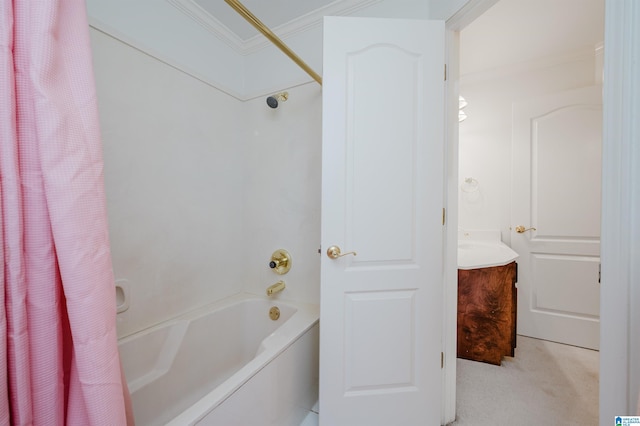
619,369
463,17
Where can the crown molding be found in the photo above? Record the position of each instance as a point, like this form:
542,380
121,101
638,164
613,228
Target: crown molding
468,13
193,10
258,42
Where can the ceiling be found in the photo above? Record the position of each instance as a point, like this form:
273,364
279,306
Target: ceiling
272,13
284,17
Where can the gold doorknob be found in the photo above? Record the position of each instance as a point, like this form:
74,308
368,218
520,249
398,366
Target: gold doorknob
334,252
520,229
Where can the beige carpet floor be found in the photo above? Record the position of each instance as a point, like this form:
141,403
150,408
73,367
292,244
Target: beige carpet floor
545,383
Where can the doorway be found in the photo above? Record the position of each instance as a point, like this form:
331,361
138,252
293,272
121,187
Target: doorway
495,73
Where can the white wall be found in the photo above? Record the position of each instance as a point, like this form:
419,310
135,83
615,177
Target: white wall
485,136
173,180
281,163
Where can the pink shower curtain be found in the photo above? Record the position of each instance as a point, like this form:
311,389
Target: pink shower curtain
57,304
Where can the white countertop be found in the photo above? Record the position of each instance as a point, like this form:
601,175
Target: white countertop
482,249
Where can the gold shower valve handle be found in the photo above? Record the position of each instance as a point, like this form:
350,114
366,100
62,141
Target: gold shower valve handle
334,252
280,261
521,229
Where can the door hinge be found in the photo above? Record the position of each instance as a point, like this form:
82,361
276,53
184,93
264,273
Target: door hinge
445,72
444,215
441,359
599,272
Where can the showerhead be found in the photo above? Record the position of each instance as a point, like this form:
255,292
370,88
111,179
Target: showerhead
272,101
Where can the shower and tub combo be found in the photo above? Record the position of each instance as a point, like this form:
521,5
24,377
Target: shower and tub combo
244,360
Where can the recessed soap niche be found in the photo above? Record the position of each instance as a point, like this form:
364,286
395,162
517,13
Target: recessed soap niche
122,295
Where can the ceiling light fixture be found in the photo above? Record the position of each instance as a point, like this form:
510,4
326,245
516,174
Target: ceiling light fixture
462,102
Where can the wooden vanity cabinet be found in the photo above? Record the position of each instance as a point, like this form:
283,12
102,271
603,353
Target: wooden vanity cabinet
487,300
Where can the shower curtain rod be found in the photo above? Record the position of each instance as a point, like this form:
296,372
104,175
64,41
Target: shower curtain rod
251,18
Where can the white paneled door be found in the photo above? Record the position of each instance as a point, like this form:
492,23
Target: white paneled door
382,198
557,142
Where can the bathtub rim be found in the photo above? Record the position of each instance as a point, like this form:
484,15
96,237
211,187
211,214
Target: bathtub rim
287,334
202,310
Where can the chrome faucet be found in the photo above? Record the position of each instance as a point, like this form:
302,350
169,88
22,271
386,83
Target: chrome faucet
275,288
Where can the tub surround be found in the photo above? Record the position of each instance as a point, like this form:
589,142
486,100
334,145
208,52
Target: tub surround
166,138
169,231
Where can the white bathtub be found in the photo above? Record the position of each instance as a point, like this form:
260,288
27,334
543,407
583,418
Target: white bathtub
225,364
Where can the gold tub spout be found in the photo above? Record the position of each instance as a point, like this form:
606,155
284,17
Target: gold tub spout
277,287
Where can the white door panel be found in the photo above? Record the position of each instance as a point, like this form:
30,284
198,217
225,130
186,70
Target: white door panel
566,157
556,176
382,192
559,284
